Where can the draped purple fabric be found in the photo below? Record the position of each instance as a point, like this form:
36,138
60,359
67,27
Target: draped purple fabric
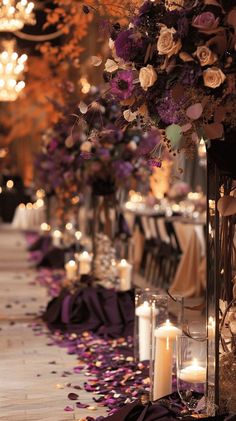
106,312
157,411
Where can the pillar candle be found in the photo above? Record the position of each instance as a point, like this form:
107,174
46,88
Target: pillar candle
84,259
124,273
165,337
144,330
71,268
193,373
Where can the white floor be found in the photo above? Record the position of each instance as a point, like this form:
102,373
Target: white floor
31,384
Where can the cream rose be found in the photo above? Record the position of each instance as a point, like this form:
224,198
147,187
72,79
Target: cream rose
213,77
166,44
174,4
205,55
147,77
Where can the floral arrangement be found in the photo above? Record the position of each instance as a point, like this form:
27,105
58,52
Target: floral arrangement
174,68
110,156
57,164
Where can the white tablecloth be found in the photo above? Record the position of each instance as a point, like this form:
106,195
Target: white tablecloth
28,218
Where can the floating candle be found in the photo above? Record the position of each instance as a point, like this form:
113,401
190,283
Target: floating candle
193,373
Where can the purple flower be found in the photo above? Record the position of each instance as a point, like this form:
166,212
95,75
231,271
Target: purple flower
53,145
104,154
123,169
190,74
127,45
122,84
169,110
148,142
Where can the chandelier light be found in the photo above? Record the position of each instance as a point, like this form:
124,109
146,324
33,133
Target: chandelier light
11,69
14,14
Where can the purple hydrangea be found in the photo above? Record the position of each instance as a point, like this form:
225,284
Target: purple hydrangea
169,110
127,45
104,154
122,84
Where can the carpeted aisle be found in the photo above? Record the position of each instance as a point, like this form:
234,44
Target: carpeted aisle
35,377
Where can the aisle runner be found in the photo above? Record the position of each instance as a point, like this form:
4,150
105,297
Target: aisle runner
108,364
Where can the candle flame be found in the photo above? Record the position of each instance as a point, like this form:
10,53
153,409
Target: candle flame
195,362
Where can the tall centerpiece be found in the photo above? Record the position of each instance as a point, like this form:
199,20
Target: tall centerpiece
173,67
57,167
110,160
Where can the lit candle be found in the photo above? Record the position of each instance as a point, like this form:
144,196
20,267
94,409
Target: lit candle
69,226
56,238
78,235
10,184
193,373
44,227
71,268
124,273
84,259
144,330
165,337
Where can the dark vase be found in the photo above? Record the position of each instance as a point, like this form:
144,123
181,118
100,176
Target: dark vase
221,172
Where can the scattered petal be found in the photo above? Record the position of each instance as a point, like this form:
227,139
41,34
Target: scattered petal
73,396
68,409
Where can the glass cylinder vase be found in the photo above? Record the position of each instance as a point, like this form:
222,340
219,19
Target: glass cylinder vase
191,367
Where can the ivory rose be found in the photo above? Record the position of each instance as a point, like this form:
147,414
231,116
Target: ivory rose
174,4
205,55
147,76
166,43
213,77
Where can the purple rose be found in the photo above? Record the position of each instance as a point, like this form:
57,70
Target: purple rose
206,22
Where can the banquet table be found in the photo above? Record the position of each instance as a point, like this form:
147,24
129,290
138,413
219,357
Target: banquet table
190,277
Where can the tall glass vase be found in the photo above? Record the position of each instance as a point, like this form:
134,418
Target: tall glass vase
221,298
104,217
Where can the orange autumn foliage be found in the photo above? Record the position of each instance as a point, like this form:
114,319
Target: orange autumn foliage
70,18
33,113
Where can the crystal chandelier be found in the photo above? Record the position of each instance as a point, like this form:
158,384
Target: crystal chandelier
14,14
11,70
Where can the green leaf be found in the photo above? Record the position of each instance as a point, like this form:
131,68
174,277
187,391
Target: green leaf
174,134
